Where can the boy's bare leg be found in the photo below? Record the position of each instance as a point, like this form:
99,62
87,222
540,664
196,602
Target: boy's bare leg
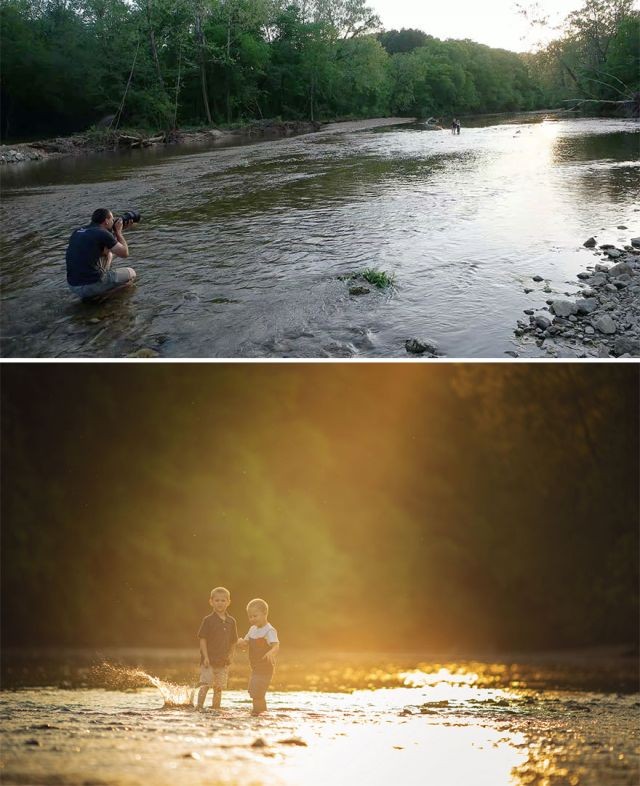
217,698
202,695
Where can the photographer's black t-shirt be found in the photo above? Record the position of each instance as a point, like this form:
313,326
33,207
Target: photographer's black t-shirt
86,246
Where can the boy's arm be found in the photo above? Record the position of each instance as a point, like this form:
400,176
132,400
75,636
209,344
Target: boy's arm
205,653
272,653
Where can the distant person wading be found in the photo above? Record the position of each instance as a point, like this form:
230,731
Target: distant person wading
90,253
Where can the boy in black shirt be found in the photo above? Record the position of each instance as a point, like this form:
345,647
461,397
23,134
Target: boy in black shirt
218,635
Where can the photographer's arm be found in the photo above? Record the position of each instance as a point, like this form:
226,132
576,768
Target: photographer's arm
121,249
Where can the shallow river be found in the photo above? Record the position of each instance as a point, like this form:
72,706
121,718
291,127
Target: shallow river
404,721
241,250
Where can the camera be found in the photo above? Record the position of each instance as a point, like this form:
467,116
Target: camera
128,217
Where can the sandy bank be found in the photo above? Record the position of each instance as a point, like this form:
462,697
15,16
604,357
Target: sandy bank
85,144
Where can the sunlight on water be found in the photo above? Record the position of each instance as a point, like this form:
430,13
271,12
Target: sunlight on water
418,678
408,755
241,250
424,724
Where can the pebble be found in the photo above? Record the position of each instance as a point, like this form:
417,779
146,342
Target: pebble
537,278
359,291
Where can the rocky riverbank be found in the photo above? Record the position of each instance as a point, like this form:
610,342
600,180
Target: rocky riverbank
83,144
603,320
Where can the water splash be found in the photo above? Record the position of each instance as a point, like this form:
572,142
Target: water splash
117,677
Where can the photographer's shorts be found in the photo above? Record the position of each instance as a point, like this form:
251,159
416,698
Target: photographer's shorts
215,677
259,683
113,278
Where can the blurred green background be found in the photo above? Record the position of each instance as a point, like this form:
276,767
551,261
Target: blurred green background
375,506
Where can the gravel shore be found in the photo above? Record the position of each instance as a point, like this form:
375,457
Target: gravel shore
603,321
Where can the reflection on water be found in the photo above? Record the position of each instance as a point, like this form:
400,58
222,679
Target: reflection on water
240,249
442,728
448,725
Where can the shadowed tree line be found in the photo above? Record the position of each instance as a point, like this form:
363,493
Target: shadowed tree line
165,63
595,64
373,506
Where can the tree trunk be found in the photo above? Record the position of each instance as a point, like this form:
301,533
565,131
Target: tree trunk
154,48
203,68
175,107
311,98
227,71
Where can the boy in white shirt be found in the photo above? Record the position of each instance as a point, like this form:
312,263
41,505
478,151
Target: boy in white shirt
262,642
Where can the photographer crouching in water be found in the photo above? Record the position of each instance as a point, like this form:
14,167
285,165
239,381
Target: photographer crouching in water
91,250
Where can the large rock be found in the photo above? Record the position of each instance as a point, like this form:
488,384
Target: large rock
635,242
587,305
542,322
605,324
563,308
621,269
626,345
418,347
598,279
590,243
613,253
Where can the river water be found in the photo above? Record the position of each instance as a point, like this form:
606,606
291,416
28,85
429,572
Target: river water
402,721
242,249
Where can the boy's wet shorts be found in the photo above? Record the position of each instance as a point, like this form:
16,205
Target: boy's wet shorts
215,677
259,684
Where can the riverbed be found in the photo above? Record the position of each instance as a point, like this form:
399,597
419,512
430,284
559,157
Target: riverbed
341,720
247,251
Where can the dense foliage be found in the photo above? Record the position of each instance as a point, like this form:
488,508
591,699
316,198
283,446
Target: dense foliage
597,60
464,505
66,64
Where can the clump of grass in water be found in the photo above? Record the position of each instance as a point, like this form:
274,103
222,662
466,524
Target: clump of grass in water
378,278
